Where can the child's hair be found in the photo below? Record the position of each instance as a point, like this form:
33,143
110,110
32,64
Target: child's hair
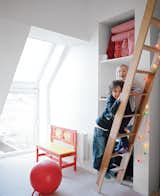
114,84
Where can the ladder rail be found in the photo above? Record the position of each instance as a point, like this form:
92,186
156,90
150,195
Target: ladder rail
126,91
155,22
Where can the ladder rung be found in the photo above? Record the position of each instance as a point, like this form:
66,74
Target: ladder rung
116,154
125,134
138,94
151,48
131,115
144,72
117,169
155,22
131,94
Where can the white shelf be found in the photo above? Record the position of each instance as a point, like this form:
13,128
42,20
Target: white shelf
124,60
102,99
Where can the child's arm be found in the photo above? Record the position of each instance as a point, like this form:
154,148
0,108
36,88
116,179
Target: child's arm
111,108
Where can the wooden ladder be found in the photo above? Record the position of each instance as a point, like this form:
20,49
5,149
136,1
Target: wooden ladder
147,20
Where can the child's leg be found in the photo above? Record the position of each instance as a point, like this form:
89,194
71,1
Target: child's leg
124,140
118,145
99,144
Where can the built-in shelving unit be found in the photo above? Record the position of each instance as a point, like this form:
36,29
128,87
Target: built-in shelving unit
107,67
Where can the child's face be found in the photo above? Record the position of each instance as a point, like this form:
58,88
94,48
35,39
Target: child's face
122,72
116,92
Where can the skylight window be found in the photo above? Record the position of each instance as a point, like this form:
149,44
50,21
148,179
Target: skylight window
34,57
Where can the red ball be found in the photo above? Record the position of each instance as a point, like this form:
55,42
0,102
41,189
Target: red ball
45,177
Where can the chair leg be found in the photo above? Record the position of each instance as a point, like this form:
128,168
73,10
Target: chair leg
60,162
75,163
37,155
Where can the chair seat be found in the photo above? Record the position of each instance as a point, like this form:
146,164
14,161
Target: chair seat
57,148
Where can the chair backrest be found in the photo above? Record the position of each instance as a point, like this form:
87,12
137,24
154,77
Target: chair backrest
67,136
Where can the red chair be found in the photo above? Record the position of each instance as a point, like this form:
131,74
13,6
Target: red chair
63,144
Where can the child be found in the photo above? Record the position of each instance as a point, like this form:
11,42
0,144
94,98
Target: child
104,122
121,74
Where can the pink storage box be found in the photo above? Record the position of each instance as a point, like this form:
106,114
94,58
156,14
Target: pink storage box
126,26
122,36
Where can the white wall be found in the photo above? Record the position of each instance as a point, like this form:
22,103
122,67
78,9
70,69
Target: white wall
68,17
12,40
72,17
154,140
74,91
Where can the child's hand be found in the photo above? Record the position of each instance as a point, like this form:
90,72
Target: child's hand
119,98
126,130
133,93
